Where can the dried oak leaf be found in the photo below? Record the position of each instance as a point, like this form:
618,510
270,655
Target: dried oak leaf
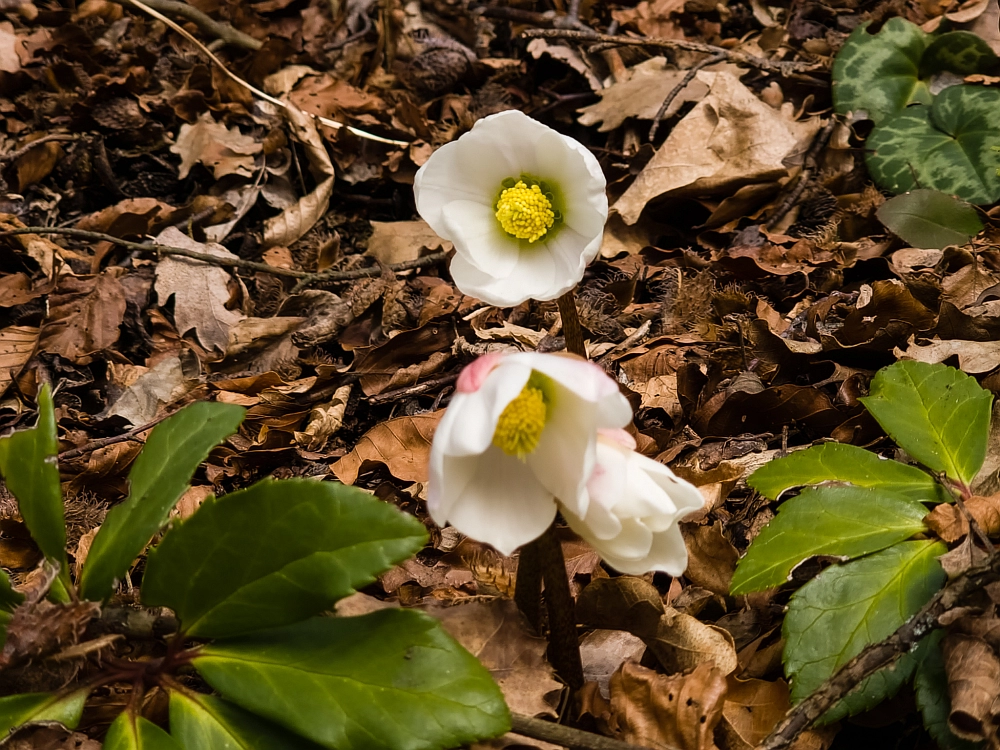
398,241
85,313
974,357
402,444
677,712
973,671
683,642
948,522
711,559
224,150
17,344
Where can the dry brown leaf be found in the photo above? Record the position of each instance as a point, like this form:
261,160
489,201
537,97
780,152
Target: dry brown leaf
200,290
568,55
324,420
730,138
288,226
398,241
17,344
622,603
677,712
654,18
949,523
683,642
402,444
191,500
974,357
85,313
711,557
37,164
225,151
973,671
10,61
40,249
604,651
752,708
158,386
498,635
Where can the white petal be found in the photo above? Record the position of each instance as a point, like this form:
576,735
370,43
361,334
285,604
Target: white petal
607,482
447,479
667,554
503,504
468,426
588,381
564,457
476,233
570,253
574,169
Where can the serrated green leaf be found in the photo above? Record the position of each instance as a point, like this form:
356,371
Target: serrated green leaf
930,683
879,73
28,464
947,146
845,463
28,708
391,679
930,219
129,732
960,52
937,414
846,607
275,554
200,722
158,478
843,521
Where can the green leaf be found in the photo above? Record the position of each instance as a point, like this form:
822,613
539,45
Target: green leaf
879,73
931,687
960,52
929,219
844,521
28,464
391,679
28,708
937,414
129,732
158,479
846,607
275,554
9,599
199,722
945,147
845,463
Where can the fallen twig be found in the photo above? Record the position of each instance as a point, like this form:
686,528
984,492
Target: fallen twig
416,389
94,445
809,164
881,654
558,734
15,155
223,31
692,72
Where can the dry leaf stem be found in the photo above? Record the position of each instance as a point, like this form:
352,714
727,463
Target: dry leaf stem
881,654
307,278
223,31
782,67
547,731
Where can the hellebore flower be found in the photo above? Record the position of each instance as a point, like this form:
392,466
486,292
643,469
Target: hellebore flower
635,504
523,204
521,431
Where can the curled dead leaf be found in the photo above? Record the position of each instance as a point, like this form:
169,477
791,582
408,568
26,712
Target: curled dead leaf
949,523
973,671
402,444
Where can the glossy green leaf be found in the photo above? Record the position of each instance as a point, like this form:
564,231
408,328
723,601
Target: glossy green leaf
846,607
930,684
845,463
391,679
199,722
929,219
937,414
27,708
843,521
28,464
945,147
879,73
129,732
872,690
275,554
960,52
9,598
158,478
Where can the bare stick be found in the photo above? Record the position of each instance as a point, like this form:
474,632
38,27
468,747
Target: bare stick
210,26
15,155
881,654
809,164
571,325
94,445
416,389
558,734
692,72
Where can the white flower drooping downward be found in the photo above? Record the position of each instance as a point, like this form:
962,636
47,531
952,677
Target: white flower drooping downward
635,504
523,204
520,432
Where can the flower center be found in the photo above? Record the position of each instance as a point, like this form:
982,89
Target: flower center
525,212
521,423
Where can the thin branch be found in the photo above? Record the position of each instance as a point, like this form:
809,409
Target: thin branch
783,67
307,278
15,155
94,445
416,389
809,164
557,734
210,26
881,654
692,72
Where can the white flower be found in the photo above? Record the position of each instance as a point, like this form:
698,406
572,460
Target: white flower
523,204
635,504
521,431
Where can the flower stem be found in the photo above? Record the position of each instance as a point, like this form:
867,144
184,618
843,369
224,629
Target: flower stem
528,585
571,325
564,646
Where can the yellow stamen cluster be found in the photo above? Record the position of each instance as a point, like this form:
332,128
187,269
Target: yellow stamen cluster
521,423
524,212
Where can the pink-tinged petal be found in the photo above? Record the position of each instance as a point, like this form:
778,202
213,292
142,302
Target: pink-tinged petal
617,437
503,504
469,423
473,376
478,237
606,485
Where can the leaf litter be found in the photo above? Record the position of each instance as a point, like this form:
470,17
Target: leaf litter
745,294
